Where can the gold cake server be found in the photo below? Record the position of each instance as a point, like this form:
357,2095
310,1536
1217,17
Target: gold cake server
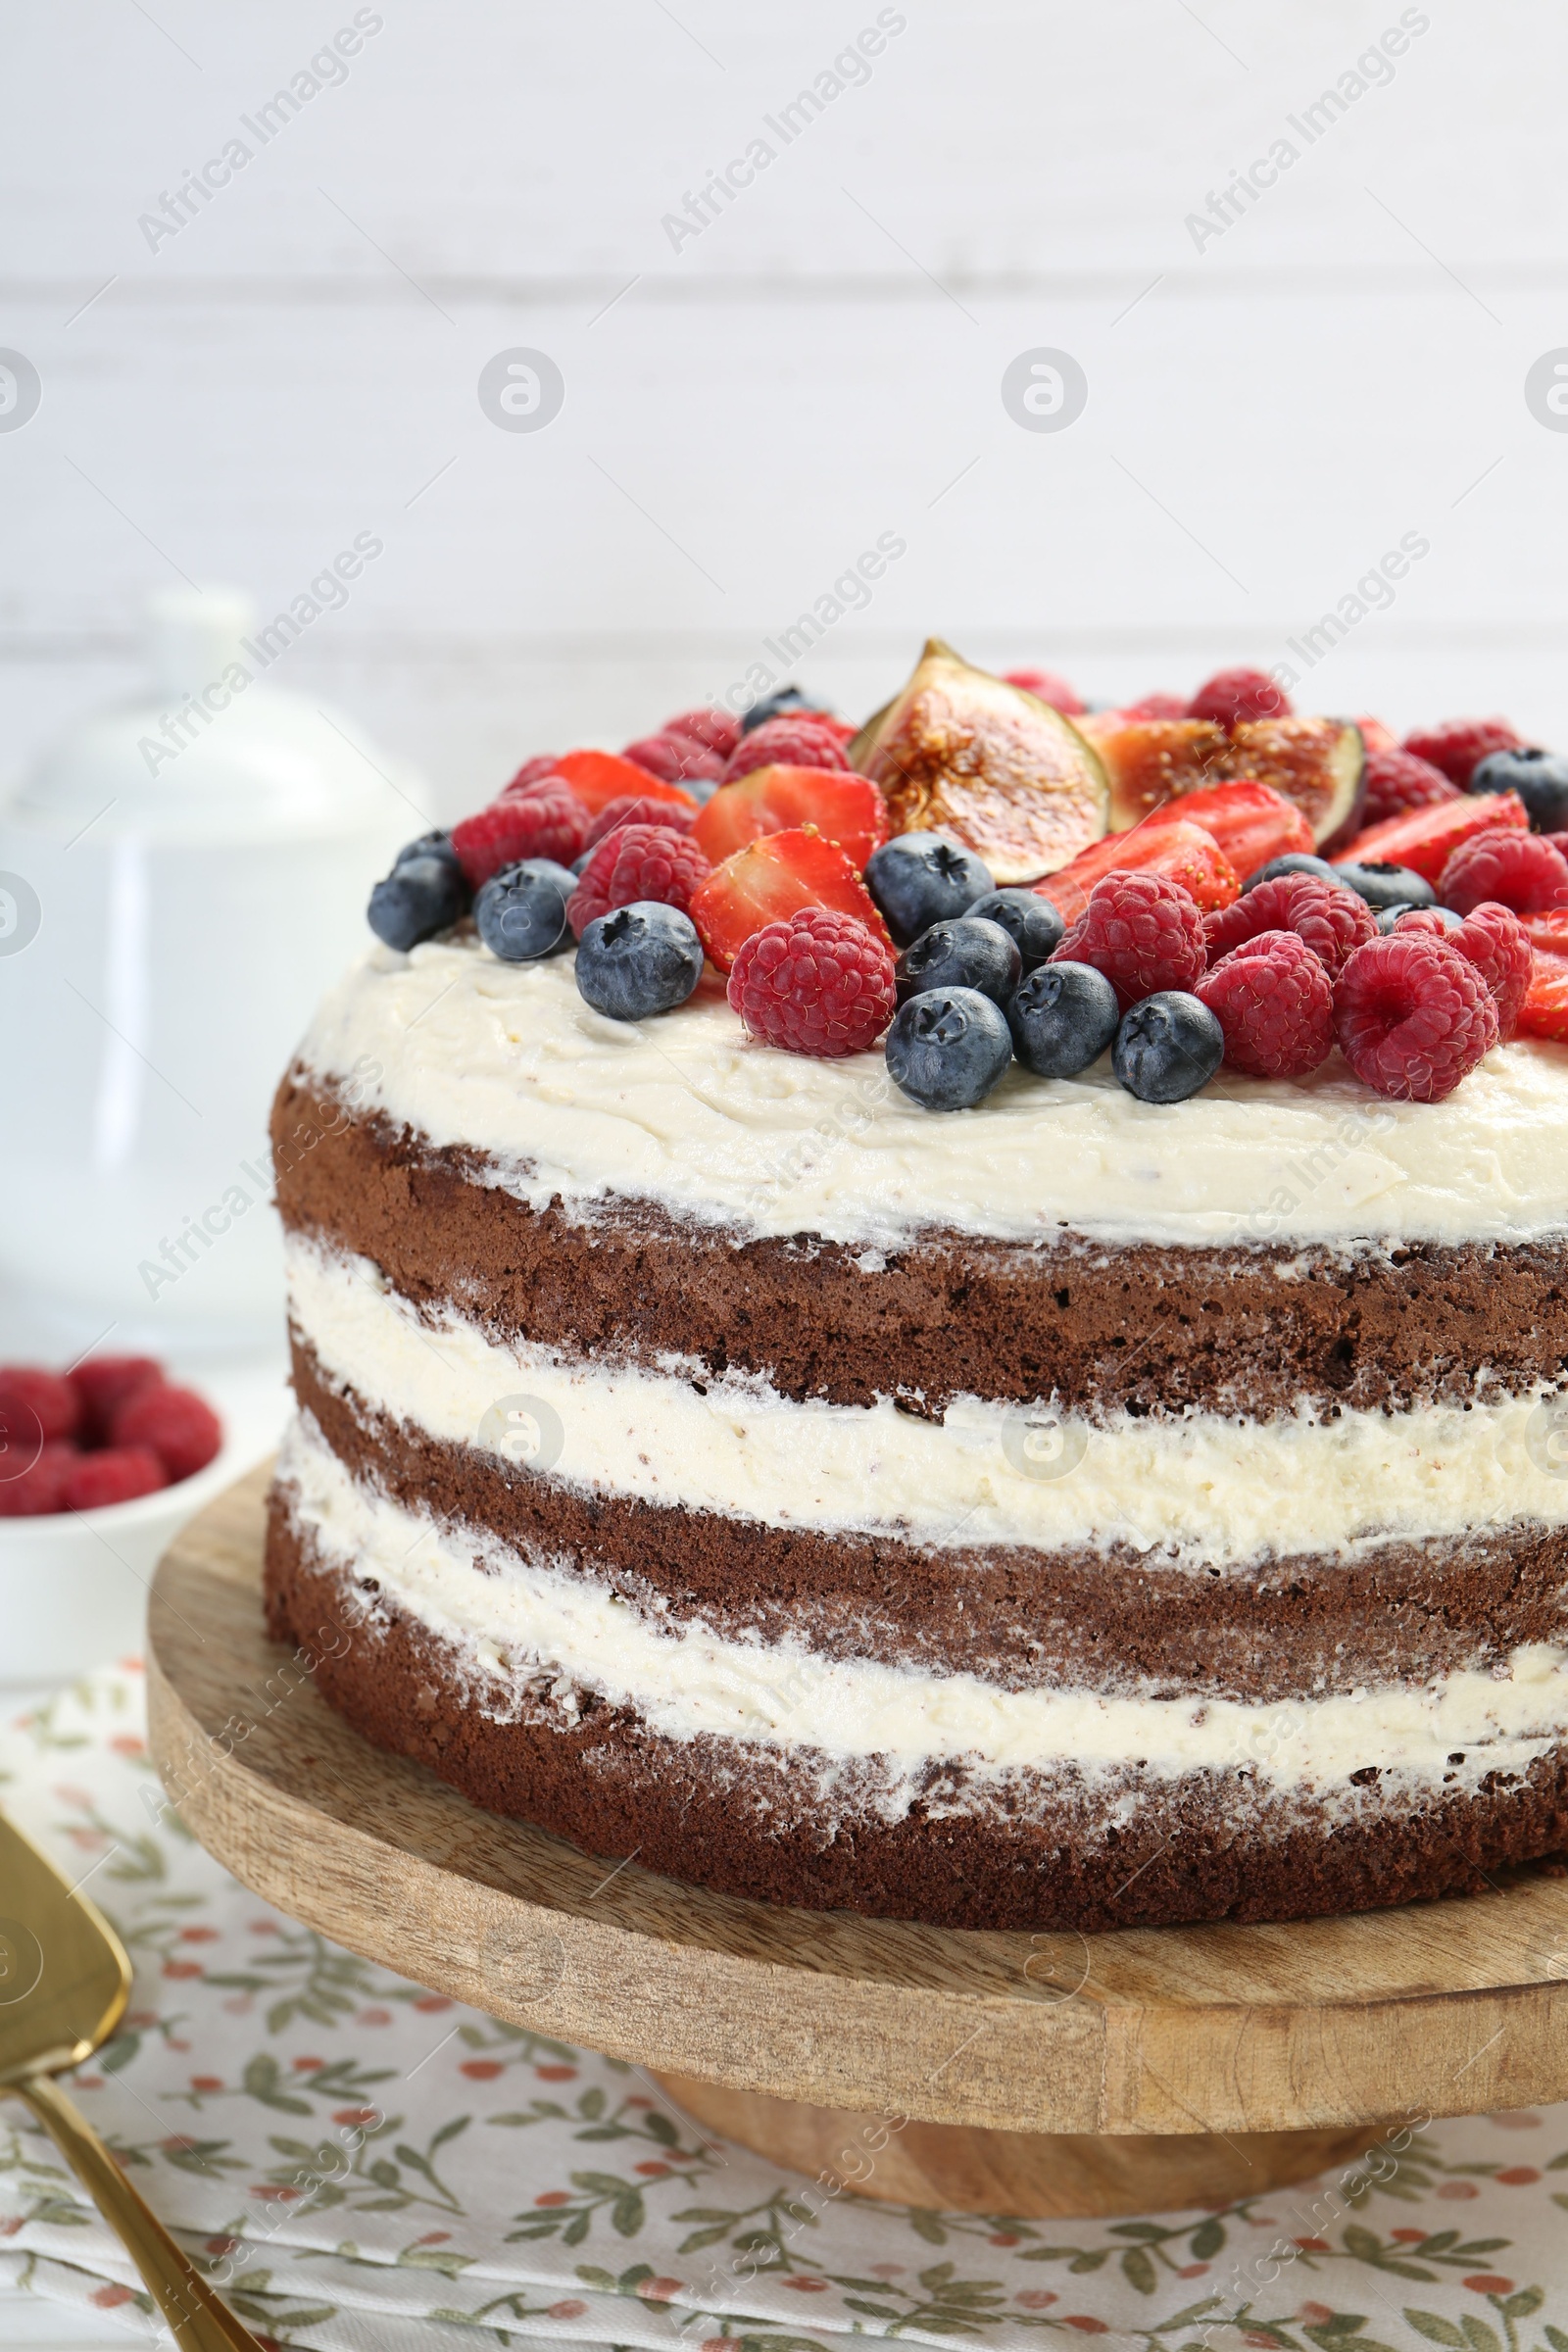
64,1983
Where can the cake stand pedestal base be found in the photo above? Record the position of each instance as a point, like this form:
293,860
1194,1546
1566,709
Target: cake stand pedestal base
1031,2175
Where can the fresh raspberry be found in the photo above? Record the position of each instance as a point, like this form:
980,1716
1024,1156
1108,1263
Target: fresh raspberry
1232,695
640,861
715,730
35,1406
1412,1017
819,984
635,808
541,823
1521,870
41,1489
532,772
1397,781
119,1474
677,759
799,739
1497,943
1046,687
1142,931
1334,922
1155,706
181,1428
103,1383
1275,1002
1457,745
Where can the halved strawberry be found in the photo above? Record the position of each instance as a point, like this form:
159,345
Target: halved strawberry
847,808
1425,839
1251,822
1182,853
1544,1010
600,776
768,881
1548,932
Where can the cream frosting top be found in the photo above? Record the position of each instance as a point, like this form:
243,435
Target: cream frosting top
686,1112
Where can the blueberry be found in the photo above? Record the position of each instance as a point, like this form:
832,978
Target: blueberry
1031,921
948,1047
1540,778
1167,1046
918,879
1391,918
521,911
643,959
424,893
781,704
1383,885
965,954
1064,1017
1295,861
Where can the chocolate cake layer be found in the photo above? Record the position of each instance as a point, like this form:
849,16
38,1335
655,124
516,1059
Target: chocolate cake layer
1056,1854
1253,1327
1021,1618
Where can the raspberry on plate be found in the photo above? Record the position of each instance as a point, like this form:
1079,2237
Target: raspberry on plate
1333,923
539,824
119,1474
1273,999
1496,942
38,1492
35,1406
102,1385
638,862
796,739
820,984
1397,781
1412,1017
1425,839
1048,687
1233,696
1457,745
637,808
771,879
1144,933
179,1427
677,759
1521,870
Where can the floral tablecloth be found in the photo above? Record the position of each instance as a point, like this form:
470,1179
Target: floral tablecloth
361,2164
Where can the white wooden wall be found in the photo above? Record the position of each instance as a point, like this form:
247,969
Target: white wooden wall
1344,364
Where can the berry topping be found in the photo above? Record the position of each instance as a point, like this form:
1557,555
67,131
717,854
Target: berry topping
1425,839
1412,1017
1496,942
967,952
918,879
1166,845
1544,1010
638,862
1397,781
638,961
600,776
1232,695
1251,822
639,809
785,702
771,879
41,1489
715,730
1440,919
1144,933
679,759
847,808
1384,885
949,1047
103,1383
1155,706
1031,921
36,1407
1063,1019
180,1428
1376,736
1521,870
533,771
119,1474
1332,920
796,739
1294,862
547,821
1458,744
1274,1000
521,911
1540,778
1046,687
820,983
1167,1046
425,892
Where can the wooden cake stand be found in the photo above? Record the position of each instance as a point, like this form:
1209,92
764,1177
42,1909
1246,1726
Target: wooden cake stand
1024,2074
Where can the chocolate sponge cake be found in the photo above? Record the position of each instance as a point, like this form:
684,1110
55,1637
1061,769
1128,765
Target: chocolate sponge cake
1076,1512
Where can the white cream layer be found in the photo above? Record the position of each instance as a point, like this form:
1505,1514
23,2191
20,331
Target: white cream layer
1207,1490
686,1113
515,1620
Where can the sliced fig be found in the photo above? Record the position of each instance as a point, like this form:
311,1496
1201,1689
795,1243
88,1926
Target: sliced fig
1149,760
961,751
1317,762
